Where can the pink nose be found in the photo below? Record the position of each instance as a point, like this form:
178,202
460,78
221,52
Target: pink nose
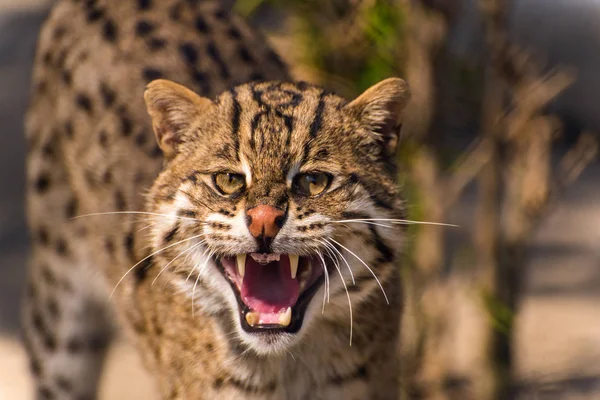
264,221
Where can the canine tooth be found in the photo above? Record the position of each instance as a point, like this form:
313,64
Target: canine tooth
294,265
241,264
252,318
286,317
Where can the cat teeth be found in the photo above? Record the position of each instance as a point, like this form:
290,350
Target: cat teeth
286,317
252,318
241,264
293,265
265,258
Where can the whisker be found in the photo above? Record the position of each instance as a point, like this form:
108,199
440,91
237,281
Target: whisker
331,254
188,254
337,267
343,258
361,222
326,278
197,200
197,279
291,354
349,301
147,257
179,255
196,265
397,221
324,289
242,354
154,223
366,266
145,227
137,212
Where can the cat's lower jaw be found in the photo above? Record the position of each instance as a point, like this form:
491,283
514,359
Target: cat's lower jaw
273,291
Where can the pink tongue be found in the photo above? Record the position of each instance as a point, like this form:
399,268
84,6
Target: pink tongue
269,288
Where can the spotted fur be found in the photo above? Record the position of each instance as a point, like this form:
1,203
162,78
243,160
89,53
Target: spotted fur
92,151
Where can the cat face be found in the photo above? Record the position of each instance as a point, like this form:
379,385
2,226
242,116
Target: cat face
271,192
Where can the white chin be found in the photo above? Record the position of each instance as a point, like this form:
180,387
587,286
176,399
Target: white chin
268,344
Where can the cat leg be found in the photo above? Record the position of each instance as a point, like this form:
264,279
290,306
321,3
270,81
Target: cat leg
66,327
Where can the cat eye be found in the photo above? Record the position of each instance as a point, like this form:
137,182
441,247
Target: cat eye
229,183
311,183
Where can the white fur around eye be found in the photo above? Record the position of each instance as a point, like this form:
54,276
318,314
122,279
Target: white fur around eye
246,169
291,174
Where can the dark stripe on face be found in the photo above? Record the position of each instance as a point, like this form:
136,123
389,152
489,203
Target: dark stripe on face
289,125
219,225
387,254
235,123
244,387
360,373
375,193
226,212
354,215
191,276
129,245
186,213
315,126
353,289
171,234
141,271
360,279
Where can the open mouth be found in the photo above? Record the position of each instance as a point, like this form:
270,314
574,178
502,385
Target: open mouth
273,290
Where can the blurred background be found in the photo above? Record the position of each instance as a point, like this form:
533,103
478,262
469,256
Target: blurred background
501,139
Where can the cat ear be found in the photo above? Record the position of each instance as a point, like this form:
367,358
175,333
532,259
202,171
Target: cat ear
380,110
173,109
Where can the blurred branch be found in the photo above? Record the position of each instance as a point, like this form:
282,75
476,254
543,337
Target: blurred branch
466,170
530,95
577,159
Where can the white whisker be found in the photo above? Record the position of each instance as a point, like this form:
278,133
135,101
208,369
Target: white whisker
147,257
343,258
320,254
366,266
196,265
145,227
291,354
179,255
362,222
337,267
137,212
326,290
242,354
397,221
197,279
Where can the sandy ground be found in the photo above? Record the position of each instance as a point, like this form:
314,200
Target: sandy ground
558,328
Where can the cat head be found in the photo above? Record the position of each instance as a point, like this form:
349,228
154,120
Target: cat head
270,201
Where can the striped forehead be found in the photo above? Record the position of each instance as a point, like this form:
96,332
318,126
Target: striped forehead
274,123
